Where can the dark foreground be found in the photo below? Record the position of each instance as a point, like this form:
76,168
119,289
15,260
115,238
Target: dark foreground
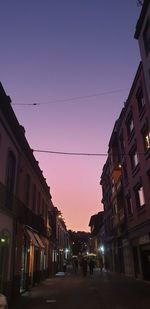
98,291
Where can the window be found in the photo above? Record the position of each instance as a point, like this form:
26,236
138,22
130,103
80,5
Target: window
140,99
129,124
139,196
10,179
129,205
27,189
146,37
146,138
134,158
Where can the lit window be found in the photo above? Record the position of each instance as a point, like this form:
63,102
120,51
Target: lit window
146,138
129,124
134,158
147,141
139,196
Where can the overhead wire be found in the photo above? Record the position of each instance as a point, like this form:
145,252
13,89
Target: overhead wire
83,153
73,98
69,153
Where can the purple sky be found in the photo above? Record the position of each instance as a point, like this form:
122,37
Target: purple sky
59,49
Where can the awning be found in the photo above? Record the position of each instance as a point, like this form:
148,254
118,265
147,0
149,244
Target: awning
39,240
32,238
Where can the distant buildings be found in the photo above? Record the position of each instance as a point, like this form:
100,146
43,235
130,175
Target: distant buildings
96,240
125,178
27,226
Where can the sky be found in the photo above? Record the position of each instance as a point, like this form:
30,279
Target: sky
78,59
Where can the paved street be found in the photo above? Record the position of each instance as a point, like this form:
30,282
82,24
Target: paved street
100,290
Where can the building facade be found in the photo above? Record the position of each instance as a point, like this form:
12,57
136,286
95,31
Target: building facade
59,240
142,33
25,201
125,184
9,165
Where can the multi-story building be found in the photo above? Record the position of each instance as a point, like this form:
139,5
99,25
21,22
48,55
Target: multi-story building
9,166
127,194
125,178
96,239
24,204
134,137
142,33
108,215
59,240
116,219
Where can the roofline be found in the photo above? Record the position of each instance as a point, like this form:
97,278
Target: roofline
141,19
17,130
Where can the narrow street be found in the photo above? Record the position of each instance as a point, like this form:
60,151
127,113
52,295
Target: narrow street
100,290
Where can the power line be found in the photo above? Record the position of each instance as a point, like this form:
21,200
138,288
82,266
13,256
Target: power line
73,98
70,153
83,153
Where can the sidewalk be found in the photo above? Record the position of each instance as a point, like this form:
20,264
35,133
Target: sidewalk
39,292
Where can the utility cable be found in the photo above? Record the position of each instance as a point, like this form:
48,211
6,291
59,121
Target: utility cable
69,153
84,154
73,98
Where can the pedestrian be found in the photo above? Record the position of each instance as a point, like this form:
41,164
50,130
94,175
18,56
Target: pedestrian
84,267
91,266
64,267
101,263
76,265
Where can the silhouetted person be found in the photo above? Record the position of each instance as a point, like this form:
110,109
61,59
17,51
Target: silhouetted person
84,267
91,266
101,263
64,267
75,265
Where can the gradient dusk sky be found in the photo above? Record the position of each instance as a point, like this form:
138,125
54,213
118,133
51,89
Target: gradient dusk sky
54,50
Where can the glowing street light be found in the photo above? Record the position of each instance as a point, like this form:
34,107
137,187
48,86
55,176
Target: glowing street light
2,240
102,249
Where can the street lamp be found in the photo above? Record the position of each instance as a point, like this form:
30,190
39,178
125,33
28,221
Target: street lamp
102,249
